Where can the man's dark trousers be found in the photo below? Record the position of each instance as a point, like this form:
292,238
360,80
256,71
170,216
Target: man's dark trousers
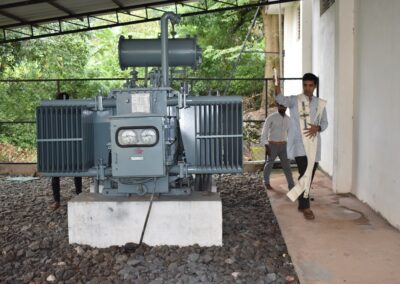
55,185
302,167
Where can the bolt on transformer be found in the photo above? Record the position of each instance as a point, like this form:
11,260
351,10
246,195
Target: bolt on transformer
144,140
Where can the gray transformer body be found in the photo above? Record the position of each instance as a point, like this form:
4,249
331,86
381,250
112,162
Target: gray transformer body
142,140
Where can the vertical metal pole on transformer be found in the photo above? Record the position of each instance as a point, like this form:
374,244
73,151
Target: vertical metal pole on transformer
164,44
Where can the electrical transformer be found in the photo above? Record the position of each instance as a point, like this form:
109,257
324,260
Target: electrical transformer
144,140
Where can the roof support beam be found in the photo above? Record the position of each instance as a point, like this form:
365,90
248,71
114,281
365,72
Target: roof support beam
192,6
226,3
103,19
205,8
121,7
118,3
133,15
18,32
76,24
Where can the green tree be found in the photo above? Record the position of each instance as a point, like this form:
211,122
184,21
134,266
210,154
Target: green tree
54,57
221,36
95,54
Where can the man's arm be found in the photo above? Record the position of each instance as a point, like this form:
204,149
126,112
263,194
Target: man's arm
264,134
281,99
265,130
324,120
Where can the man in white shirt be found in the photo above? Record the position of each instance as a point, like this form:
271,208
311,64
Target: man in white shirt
274,136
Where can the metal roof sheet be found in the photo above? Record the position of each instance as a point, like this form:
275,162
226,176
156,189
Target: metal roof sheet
17,13
29,19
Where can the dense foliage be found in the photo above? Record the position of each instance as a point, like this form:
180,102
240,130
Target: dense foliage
94,54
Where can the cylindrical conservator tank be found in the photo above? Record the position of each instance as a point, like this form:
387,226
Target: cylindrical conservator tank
147,52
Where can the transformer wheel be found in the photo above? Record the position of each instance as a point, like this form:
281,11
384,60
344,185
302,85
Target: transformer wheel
203,182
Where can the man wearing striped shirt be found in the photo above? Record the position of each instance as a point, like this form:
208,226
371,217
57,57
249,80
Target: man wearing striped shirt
274,136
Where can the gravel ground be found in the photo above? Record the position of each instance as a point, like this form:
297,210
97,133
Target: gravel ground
34,243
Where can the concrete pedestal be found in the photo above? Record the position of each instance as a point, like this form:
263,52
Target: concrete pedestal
101,221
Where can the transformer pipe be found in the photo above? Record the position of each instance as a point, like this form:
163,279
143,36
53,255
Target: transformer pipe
206,100
164,44
90,103
92,172
111,103
203,170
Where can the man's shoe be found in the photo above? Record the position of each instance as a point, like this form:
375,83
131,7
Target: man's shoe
55,205
267,186
307,213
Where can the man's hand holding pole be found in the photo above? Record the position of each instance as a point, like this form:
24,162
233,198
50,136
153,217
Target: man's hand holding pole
277,83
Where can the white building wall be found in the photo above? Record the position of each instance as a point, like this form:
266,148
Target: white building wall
323,63
355,46
377,139
359,73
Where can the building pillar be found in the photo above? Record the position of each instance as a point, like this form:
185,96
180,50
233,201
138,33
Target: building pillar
271,36
343,146
306,35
